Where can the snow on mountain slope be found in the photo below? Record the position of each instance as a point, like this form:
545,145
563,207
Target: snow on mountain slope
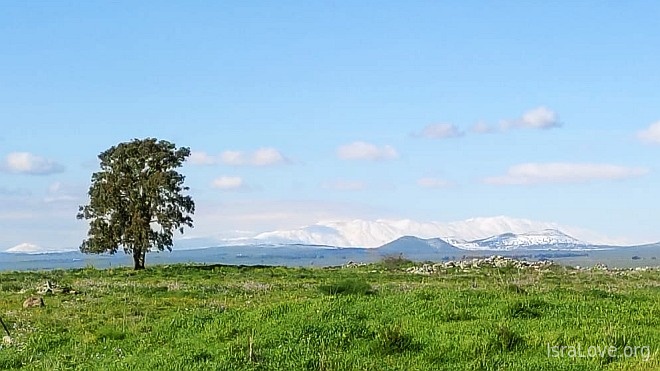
28,248
365,233
531,240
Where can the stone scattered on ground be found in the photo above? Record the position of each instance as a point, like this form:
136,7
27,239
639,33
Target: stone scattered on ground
33,301
498,261
7,340
53,288
495,261
352,264
613,270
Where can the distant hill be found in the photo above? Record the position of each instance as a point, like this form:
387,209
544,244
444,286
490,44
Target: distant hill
419,248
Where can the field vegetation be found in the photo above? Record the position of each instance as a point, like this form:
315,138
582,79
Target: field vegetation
373,317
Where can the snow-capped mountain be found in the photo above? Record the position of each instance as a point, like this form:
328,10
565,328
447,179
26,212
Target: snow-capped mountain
466,234
29,248
546,239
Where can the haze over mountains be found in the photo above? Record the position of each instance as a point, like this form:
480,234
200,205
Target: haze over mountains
338,242
487,233
476,233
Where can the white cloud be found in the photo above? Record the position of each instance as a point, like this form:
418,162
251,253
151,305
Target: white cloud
536,173
650,135
229,183
261,157
441,131
482,128
59,192
265,215
536,118
28,163
14,192
540,118
366,151
201,158
268,156
265,156
346,185
433,183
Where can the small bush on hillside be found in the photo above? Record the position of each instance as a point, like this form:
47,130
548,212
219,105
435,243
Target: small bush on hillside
505,339
602,294
395,262
108,333
458,315
392,340
515,289
527,309
348,287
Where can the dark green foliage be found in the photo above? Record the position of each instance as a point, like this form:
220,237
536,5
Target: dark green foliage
348,287
505,339
215,317
526,309
392,340
10,361
200,357
457,315
602,294
516,289
109,333
395,262
137,200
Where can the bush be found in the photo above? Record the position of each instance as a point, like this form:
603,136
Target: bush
515,289
348,287
526,309
395,262
391,340
457,315
505,339
108,333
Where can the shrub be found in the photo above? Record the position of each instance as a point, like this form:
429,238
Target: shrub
108,333
348,287
458,315
505,339
526,309
395,262
515,289
392,340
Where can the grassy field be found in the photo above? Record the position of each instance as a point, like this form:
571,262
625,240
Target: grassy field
376,317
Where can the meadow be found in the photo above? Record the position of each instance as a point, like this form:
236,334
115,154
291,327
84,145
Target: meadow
372,317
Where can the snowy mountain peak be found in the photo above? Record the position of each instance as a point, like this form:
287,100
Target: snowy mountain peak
475,233
530,240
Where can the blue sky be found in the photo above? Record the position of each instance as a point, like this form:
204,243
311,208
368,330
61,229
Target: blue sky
302,111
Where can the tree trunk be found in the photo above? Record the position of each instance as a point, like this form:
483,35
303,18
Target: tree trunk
138,258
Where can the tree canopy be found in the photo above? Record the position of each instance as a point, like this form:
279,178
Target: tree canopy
137,200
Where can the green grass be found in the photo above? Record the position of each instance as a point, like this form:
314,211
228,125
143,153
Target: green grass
377,317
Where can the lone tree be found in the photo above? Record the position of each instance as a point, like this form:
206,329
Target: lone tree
137,200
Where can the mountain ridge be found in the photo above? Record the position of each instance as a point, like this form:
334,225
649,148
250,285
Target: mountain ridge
375,233
531,240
